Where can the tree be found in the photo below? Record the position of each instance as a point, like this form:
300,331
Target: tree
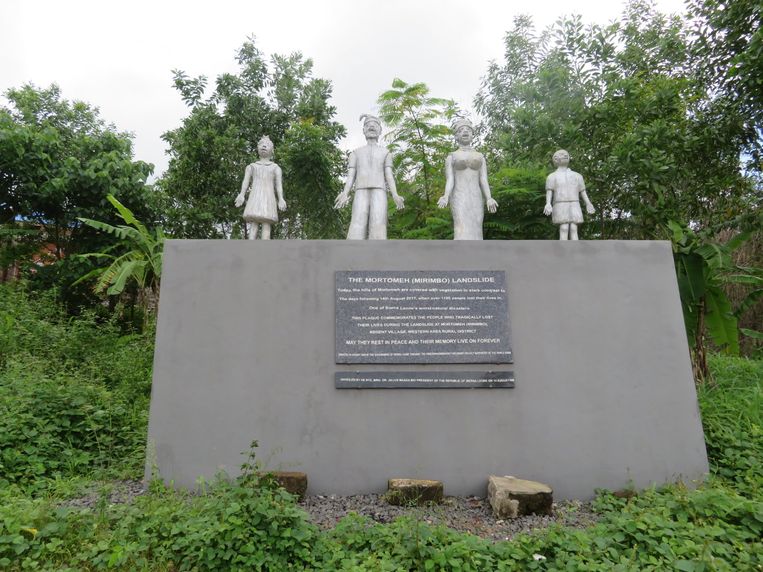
210,150
638,120
729,50
420,140
58,162
659,149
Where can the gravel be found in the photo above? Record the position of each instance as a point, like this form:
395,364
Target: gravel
464,514
117,492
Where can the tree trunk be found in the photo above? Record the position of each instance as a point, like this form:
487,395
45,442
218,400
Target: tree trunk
699,353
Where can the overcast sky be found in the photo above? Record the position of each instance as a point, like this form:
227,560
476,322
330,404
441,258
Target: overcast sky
118,56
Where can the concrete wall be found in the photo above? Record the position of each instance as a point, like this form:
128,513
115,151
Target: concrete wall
604,393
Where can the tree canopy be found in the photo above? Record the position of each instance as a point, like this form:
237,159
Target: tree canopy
277,97
58,162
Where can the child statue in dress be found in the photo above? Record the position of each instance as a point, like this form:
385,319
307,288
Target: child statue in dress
262,180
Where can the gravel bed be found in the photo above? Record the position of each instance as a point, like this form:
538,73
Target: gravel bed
465,514
119,492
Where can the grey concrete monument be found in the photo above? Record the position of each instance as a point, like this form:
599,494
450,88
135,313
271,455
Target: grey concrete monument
262,180
370,174
564,189
466,185
598,390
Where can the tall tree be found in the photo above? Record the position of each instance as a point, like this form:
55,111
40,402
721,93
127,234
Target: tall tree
729,50
58,162
658,142
419,138
638,120
210,150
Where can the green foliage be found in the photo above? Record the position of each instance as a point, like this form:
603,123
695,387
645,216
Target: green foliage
732,415
210,150
520,193
312,167
58,161
637,117
420,140
140,264
729,50
231,526
73,393
251,524
703,268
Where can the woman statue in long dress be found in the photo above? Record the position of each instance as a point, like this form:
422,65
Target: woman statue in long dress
466,186
262,180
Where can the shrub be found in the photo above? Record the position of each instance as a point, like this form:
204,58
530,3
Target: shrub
73,393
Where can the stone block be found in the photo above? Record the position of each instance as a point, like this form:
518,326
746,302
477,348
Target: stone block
294,482
414,491
511,497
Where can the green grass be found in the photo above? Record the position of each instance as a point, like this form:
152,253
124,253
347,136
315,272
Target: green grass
73,407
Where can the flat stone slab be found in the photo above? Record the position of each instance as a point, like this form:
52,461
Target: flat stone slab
414,491
295,482
511,497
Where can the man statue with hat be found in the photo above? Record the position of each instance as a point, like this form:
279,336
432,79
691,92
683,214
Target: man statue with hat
370,172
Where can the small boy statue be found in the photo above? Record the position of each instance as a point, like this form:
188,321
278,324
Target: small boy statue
566,187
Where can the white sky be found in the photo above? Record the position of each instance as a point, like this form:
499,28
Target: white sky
118,56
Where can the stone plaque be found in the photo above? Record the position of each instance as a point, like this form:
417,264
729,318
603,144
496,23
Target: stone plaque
422,317
419,379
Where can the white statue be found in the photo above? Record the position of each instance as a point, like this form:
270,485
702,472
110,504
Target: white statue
262,180
566,188
466,185
370,172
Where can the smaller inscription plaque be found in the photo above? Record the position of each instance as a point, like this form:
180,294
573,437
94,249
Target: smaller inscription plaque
422,317
426,380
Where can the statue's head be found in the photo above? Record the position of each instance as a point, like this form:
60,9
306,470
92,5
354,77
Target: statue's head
463,131
265,147
371,126
561,158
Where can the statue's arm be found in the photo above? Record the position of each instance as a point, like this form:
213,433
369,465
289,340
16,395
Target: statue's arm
490,202
244,186
583,195
344,197
390,180
547,210
279,188
449,182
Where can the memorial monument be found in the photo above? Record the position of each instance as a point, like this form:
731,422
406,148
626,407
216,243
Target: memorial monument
262,181
564,189
361,361
369,172
466,185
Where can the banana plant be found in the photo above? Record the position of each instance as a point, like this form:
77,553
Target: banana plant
703,268
136,258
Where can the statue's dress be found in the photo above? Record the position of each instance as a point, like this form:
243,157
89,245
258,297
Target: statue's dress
466,201
262,206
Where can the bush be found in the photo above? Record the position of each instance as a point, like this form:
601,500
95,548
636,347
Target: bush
73,393
242,525
74,401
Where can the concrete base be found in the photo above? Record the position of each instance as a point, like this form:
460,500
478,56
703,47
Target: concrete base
604,394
